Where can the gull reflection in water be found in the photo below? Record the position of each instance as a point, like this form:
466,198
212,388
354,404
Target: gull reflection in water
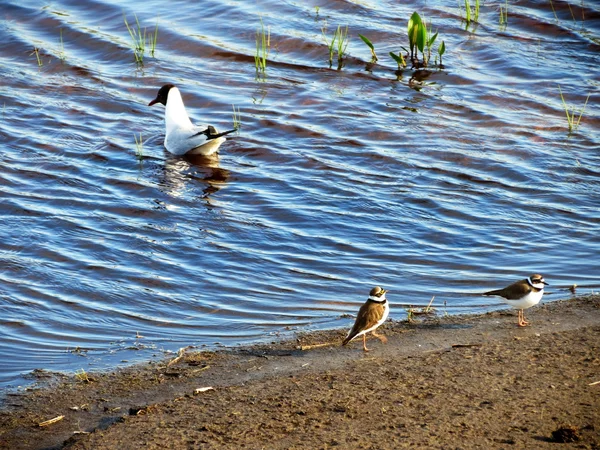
180,171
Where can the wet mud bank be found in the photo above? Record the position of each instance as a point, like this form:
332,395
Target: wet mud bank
441,382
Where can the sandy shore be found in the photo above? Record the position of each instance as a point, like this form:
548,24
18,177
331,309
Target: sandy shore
451,382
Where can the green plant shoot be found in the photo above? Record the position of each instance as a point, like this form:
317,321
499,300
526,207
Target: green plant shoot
370,45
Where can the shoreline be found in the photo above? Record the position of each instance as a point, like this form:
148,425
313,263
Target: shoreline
316,398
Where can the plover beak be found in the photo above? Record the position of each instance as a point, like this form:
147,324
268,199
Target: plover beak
545,283
153,102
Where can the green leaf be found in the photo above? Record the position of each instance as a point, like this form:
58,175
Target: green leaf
467,11
442,48
413,26
421,37
367,41
396,58
432,40
399,59
414,20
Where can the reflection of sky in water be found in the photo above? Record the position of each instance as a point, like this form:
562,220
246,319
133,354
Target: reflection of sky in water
443,183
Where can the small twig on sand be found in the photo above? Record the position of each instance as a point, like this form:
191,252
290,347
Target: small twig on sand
429,306
310,347
180,354
201,369
51,421
423,311
203,389
465,345
594,383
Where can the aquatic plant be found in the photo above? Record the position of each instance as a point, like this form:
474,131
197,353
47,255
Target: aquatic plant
61,52
421,40
570,10
399,59
553,10
429,40
342,44
370,45
139,147
140,38
330,45
263,46
36,52
339,43
416,34
471,16
237,120
570,112
441,51
154,39
504,14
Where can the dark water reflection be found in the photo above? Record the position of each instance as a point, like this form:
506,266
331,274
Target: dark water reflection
428,182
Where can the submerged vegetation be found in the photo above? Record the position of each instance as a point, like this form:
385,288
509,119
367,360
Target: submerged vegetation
61,52
421,40
338,44
570,112
263,47
370,45
36,52
237,119
471,15
139,147
504,15
420,36
140,39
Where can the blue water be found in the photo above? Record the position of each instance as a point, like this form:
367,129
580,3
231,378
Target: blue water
448,182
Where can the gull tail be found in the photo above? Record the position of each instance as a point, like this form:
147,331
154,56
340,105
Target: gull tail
211,133
218,135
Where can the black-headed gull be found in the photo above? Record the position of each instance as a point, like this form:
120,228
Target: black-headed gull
182,137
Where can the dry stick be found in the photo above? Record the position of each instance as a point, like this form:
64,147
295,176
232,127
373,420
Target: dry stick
201,369
178,357
51,421
594,383
203,389
430,302
309,347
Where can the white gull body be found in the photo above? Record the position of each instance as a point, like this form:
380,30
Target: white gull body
181,136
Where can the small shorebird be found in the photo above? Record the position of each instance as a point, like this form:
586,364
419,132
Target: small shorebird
370,316
522,294
183,138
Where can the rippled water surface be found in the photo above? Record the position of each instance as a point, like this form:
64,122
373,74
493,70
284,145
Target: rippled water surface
445,182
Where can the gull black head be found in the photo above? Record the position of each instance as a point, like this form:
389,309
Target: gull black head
163,94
